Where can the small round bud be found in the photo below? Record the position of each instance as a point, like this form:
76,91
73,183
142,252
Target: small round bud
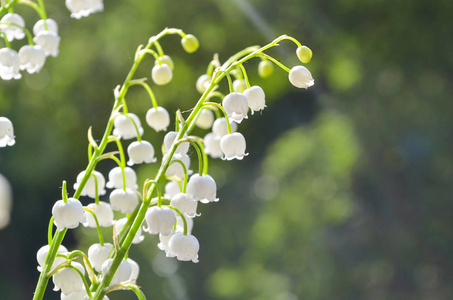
304,54
265,69
190,43
300,77
166,60
161,74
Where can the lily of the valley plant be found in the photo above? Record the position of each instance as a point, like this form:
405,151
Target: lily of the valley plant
165,205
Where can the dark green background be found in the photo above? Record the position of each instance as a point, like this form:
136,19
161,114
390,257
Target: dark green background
347,191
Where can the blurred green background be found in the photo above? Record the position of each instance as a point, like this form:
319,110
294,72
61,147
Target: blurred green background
347,191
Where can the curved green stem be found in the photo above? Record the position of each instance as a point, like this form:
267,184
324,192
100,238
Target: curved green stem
85,283
138,292
50,231
224,113
205,157
101,238
182,217
139,138
275,61
40,10
150,92
64,193
244,72
159,48
184,187
200,157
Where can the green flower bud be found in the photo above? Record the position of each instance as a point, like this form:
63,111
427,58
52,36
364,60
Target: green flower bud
265,69
304,54
190,43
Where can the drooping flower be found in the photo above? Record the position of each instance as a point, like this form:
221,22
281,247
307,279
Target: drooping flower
169,139
124,200
74,295
78,8
95,6
158,118
6,132
98,254
32,58
135,270
68,214
42,254
68,280
205,118
14,30
190,43
159,220
236,106
41,26
9,64
256,98
140,152
116,178
212,145
163,241
119,224
239,85
123,273
300,77
161,74
185,204
233,146
49,41
202,188
125,128
171,189
90,187
203,83
175,169
220,127
184,247
103,212
165,59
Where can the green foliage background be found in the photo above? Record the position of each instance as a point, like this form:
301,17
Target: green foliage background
346,193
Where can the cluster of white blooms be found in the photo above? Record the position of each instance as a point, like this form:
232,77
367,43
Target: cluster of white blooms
31,57
139,212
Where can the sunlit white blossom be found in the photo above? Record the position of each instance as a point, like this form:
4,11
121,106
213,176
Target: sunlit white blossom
123,273
158,118
184,247
300,77
236,106
212,145
124,200
14,30
68,214
90,187
9,64
185,204
176,169
32,58
159,220
161,74
233,146
125,128
103,213
220,127
68,280
49,41
202,188
256,98
203,83
116,178
119,224
42,254
98,254
170,138
41,26
6,132
171,189
140,152
205,118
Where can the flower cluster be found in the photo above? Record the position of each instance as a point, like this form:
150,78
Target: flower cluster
145,209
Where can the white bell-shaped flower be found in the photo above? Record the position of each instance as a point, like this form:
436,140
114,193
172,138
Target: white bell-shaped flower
124,127
212,145
95,6
233,146
90,187
135,270
32,58
68,214
184,247
98,254
185,204
116,178
239,85
124,200
14,30
202,188
163,241
171,188
88,298
140,152
68,280
165,59
123,273
161,74
205,118
220,127
158,118
74,295
169,138
236,106
41,26
300,77
256,98
203,83
78,8
49,41
159,220
138,236
9,64
6,132
176,169
42,253
103,212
